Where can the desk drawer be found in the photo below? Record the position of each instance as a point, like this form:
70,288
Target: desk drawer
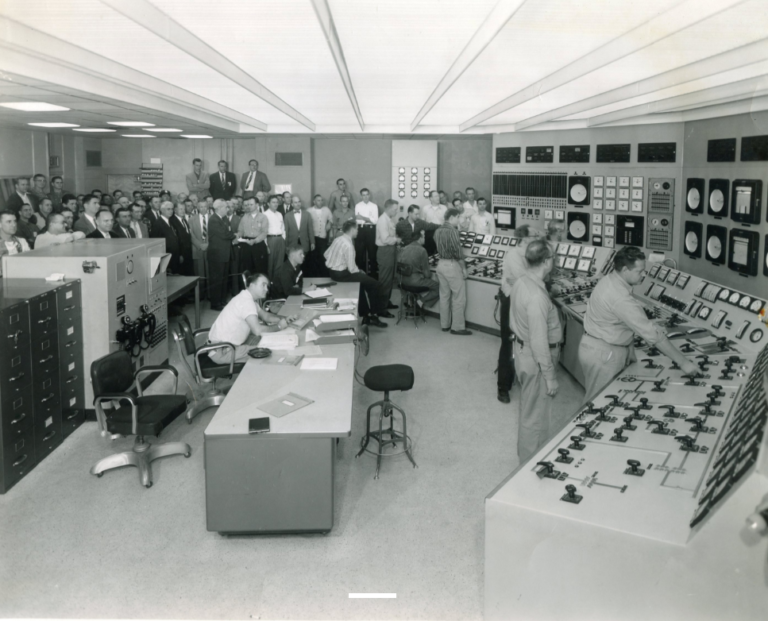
68,301
47,434
71,419
45,354
15,368
18,459
18,416
42,314
14,324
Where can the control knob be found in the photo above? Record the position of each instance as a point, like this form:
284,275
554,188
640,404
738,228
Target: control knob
571,495
634,468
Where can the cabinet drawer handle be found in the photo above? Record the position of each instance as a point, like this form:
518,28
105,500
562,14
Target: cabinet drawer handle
20,460
48,398
71,379
70,344
16,377
49,435
68,308
15,335
46,320
44,360
73,415
19,419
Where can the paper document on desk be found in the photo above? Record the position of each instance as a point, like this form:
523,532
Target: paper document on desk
336,318
310,336
308,350
346,304
319,364
317,293
282,340
286,404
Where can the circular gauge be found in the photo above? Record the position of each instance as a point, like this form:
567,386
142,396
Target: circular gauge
401,186
745,301
657,186
691,241
426,186
414,194
577,229
723,295
401,178
655,222
578,192
414,170
426,171
756,306
129,266
716,201
427,178
694,198
414,178
401,194
414,186
714,248
756,335
665,185
734,299
704,312
426,193
401,170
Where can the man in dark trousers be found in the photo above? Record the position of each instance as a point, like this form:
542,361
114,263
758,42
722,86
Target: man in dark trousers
290,280
299,230
162,229
181,228
223,183
220,237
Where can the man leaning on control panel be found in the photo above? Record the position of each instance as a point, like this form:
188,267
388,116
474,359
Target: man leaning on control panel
612,320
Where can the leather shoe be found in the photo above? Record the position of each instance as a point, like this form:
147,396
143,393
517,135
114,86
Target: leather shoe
445,329
462,332
374,321
387,315
503,396
392,306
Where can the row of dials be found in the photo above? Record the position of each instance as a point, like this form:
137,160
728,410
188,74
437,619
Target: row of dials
466,237
401,182
608,192
742,198
744,247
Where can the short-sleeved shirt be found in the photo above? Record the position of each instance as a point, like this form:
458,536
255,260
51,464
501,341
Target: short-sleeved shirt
434,214
482,223
514,267
340,216
369,210
230,326
614,316
341,255
386,234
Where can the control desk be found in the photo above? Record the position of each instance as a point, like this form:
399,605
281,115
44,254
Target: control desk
661,468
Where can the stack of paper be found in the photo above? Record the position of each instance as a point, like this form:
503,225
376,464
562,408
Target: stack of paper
317,293
319,364
282,340
341,318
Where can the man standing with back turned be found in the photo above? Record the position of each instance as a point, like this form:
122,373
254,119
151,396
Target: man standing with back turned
538,333
452,276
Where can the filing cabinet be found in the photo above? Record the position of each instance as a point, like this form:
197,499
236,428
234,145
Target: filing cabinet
42,391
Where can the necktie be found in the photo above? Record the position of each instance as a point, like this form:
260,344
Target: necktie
205,228
222,180
248,186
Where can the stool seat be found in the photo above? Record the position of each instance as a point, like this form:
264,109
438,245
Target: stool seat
386,377
414,289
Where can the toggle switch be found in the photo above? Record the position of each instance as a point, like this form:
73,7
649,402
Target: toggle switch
644,403
564,457
634,468
653,351
718,390
698,423
649,364
587,433
706,408
591,409
571,495
686,348
661,427
658,386
618,435
635,411
576,444
691,379
675,366
628,424
548,471
671,413
688,443
614,399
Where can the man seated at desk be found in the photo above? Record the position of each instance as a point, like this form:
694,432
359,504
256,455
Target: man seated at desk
416,258
56,233
239,325
290,279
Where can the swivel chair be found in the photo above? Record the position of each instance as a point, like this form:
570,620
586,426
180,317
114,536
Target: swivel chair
386,378
205,371
409,308
145,415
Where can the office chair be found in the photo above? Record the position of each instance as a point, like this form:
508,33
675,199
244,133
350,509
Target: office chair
409,309
112,377
205,371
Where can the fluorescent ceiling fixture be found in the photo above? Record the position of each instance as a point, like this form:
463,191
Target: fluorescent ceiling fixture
195,136
94,130
137,136
163,129
130,123
53,124
33,106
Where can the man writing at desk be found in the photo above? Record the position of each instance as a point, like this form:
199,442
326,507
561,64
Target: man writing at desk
239,325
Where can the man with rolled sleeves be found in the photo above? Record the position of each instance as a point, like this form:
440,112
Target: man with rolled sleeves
536,325
451,276
512,269
386,250
612,320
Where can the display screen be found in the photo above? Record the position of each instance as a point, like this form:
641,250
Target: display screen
560,261
672,278
483,251
683,280
584,265
740,251
562,248
588,252
663,273
505,241
570,263
654,270
575,251
488,239
504,218
497,239
743,203
656,292
492,253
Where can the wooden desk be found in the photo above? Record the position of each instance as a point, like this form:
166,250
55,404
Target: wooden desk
281,481
179,285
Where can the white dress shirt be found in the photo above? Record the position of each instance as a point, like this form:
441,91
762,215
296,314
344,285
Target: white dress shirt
369,210
434,214
276,223
136,229
249,182
297,216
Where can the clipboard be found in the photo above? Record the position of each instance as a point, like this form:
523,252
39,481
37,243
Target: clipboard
284,405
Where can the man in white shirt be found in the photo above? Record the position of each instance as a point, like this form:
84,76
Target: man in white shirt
434,212
21,196
238,324
322,218
470,209
275,236
137,222
56,233
482,221
386,254
366,215
9,243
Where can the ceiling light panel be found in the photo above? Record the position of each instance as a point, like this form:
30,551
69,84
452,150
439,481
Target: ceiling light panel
137,136
130,123
196,136
163,130
727,30
541,38
33,106
122,40
398,51
52,125
95,130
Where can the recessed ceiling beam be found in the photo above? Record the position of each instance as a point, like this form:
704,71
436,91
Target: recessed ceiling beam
481,39
153,19
719,63
324,16
681,16
745,106
111,77
704,97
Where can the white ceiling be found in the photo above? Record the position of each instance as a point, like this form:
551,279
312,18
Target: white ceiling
243,67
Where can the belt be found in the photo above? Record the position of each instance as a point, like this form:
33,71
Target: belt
274,235
551,345
365,226
597,338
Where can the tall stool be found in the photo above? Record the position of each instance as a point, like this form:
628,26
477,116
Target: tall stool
409,309
386,378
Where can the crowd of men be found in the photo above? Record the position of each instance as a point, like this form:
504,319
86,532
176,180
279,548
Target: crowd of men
223,227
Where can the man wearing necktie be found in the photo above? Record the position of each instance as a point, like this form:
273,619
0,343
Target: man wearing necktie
123,221
198,229
140,229
180,226
223,183
254,181
220,237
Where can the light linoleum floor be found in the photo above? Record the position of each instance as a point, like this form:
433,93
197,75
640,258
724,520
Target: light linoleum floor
73,545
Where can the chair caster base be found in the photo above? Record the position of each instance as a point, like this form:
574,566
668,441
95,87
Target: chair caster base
141,457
